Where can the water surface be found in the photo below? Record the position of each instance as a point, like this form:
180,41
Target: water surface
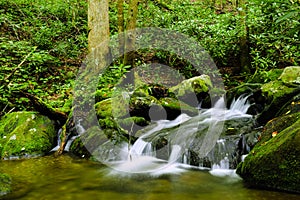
65,178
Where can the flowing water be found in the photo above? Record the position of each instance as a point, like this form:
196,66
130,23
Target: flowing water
183,138
144,170
64,177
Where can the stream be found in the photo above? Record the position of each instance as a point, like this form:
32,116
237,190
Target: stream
65,177
143,171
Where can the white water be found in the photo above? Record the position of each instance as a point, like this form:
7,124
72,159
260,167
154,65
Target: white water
141,156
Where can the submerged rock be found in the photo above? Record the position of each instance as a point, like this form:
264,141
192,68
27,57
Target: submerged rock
274,162
5,184
24,134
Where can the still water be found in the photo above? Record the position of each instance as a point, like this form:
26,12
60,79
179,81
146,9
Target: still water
66,178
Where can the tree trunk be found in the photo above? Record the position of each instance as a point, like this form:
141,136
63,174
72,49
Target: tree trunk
98,58
98,23
120,6
131,25
244,57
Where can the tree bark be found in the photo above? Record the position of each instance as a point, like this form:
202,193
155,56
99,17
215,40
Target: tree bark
244,57
120,6
130,37
97,59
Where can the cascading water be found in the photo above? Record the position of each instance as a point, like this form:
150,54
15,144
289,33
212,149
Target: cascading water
79,129
170,144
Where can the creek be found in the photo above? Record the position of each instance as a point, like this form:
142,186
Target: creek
65,177
165,162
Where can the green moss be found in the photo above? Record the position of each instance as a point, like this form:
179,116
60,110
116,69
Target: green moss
112,107
195,85
5,184
275,89
176,107
127,122
275,163
291,76
26,133
87,144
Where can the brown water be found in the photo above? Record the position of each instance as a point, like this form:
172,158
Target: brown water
66,178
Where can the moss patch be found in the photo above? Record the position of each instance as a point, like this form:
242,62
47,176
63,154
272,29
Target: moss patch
291,75
26,134
275,163
5,184
195,85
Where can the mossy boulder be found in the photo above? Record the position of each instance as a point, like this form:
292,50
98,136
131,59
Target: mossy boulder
140,106
291,76
25,134
274,162
191,90
5,184
279,92
112,108
175,107
94,139
292,106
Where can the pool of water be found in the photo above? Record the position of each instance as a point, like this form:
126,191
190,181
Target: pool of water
65,177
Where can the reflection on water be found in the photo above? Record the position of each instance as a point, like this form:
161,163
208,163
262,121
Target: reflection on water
65,177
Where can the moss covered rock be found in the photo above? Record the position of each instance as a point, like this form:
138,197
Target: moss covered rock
274,162
291,76
192,89
175,107
196,85
112,107
5,184
94,139
26,134
279,92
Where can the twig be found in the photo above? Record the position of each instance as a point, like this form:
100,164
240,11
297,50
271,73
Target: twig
19,65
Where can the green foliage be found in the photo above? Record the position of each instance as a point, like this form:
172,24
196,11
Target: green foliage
274,34
107,81
41,46
42,43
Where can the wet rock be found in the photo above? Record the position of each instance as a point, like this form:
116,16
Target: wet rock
87,145
292,106
25,134
274,162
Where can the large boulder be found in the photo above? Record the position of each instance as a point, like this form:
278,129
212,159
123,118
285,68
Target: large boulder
274,162
24,134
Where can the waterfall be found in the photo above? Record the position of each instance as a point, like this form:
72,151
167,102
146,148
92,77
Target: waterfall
58,141
188,139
